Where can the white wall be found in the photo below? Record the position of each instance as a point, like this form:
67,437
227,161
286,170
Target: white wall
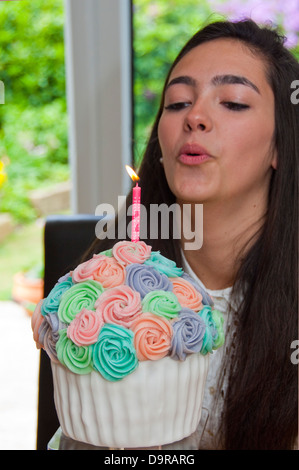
98,69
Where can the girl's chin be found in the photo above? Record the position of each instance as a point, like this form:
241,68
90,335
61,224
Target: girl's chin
193,194
193,187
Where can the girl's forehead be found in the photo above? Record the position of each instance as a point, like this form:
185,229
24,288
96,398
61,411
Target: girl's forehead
223,55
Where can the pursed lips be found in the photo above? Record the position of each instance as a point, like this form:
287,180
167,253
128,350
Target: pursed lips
193,154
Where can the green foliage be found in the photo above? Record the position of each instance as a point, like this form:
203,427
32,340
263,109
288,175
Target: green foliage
33,120
32,51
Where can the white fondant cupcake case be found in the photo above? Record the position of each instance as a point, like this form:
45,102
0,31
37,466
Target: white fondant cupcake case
157,404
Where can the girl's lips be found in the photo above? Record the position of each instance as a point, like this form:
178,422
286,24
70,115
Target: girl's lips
187,159
193,154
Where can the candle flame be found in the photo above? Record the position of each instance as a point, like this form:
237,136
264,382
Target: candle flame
132,173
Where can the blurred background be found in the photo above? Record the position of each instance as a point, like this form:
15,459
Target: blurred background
50,137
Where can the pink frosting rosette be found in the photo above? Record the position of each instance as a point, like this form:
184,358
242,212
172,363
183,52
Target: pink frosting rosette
186,293
119,305
152,336
100,268
126,252
36,321
85,328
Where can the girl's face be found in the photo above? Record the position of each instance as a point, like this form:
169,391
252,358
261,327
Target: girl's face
217,125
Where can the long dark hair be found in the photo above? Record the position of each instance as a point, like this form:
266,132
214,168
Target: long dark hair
261,399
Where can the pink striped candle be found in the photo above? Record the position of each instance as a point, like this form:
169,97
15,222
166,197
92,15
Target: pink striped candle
135,231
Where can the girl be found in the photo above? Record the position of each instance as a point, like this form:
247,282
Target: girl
227,136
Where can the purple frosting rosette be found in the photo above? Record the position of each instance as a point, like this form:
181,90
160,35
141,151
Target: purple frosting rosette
48,334
188,333
145,279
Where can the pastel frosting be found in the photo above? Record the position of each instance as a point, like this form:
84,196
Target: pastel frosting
164,265
186,293
85,328
145,279
119,305
161,303
52,301
48,335
78,296
214,335
189,330
123,306
114,355
152,336
36,321
206,298
77,359
101,268
130,252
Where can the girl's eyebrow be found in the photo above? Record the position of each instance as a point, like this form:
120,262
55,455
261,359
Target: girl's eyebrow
184,79
218,80
233,80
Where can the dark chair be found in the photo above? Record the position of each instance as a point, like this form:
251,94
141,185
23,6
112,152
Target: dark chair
66,238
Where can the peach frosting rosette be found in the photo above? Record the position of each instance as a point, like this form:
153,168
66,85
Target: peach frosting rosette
186,293
101,268
126,252
152,336
119,305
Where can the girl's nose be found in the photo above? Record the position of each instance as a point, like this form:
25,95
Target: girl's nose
197,118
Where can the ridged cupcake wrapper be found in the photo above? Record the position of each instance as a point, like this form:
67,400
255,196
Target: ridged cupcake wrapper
157,404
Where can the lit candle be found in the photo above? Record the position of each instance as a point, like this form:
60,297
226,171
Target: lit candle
135,232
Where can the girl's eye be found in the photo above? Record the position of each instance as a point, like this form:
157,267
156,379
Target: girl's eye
177,106
235,106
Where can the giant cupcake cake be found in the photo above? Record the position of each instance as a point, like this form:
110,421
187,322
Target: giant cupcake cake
129,336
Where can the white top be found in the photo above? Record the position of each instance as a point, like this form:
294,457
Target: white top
210,418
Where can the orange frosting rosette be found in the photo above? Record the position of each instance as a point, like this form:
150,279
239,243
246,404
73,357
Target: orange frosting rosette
152,336
186,294
100,268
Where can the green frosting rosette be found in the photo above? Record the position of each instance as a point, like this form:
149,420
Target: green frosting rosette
107,253
162,303
214,335
79,296
164,265
77,359
114,355
218,322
